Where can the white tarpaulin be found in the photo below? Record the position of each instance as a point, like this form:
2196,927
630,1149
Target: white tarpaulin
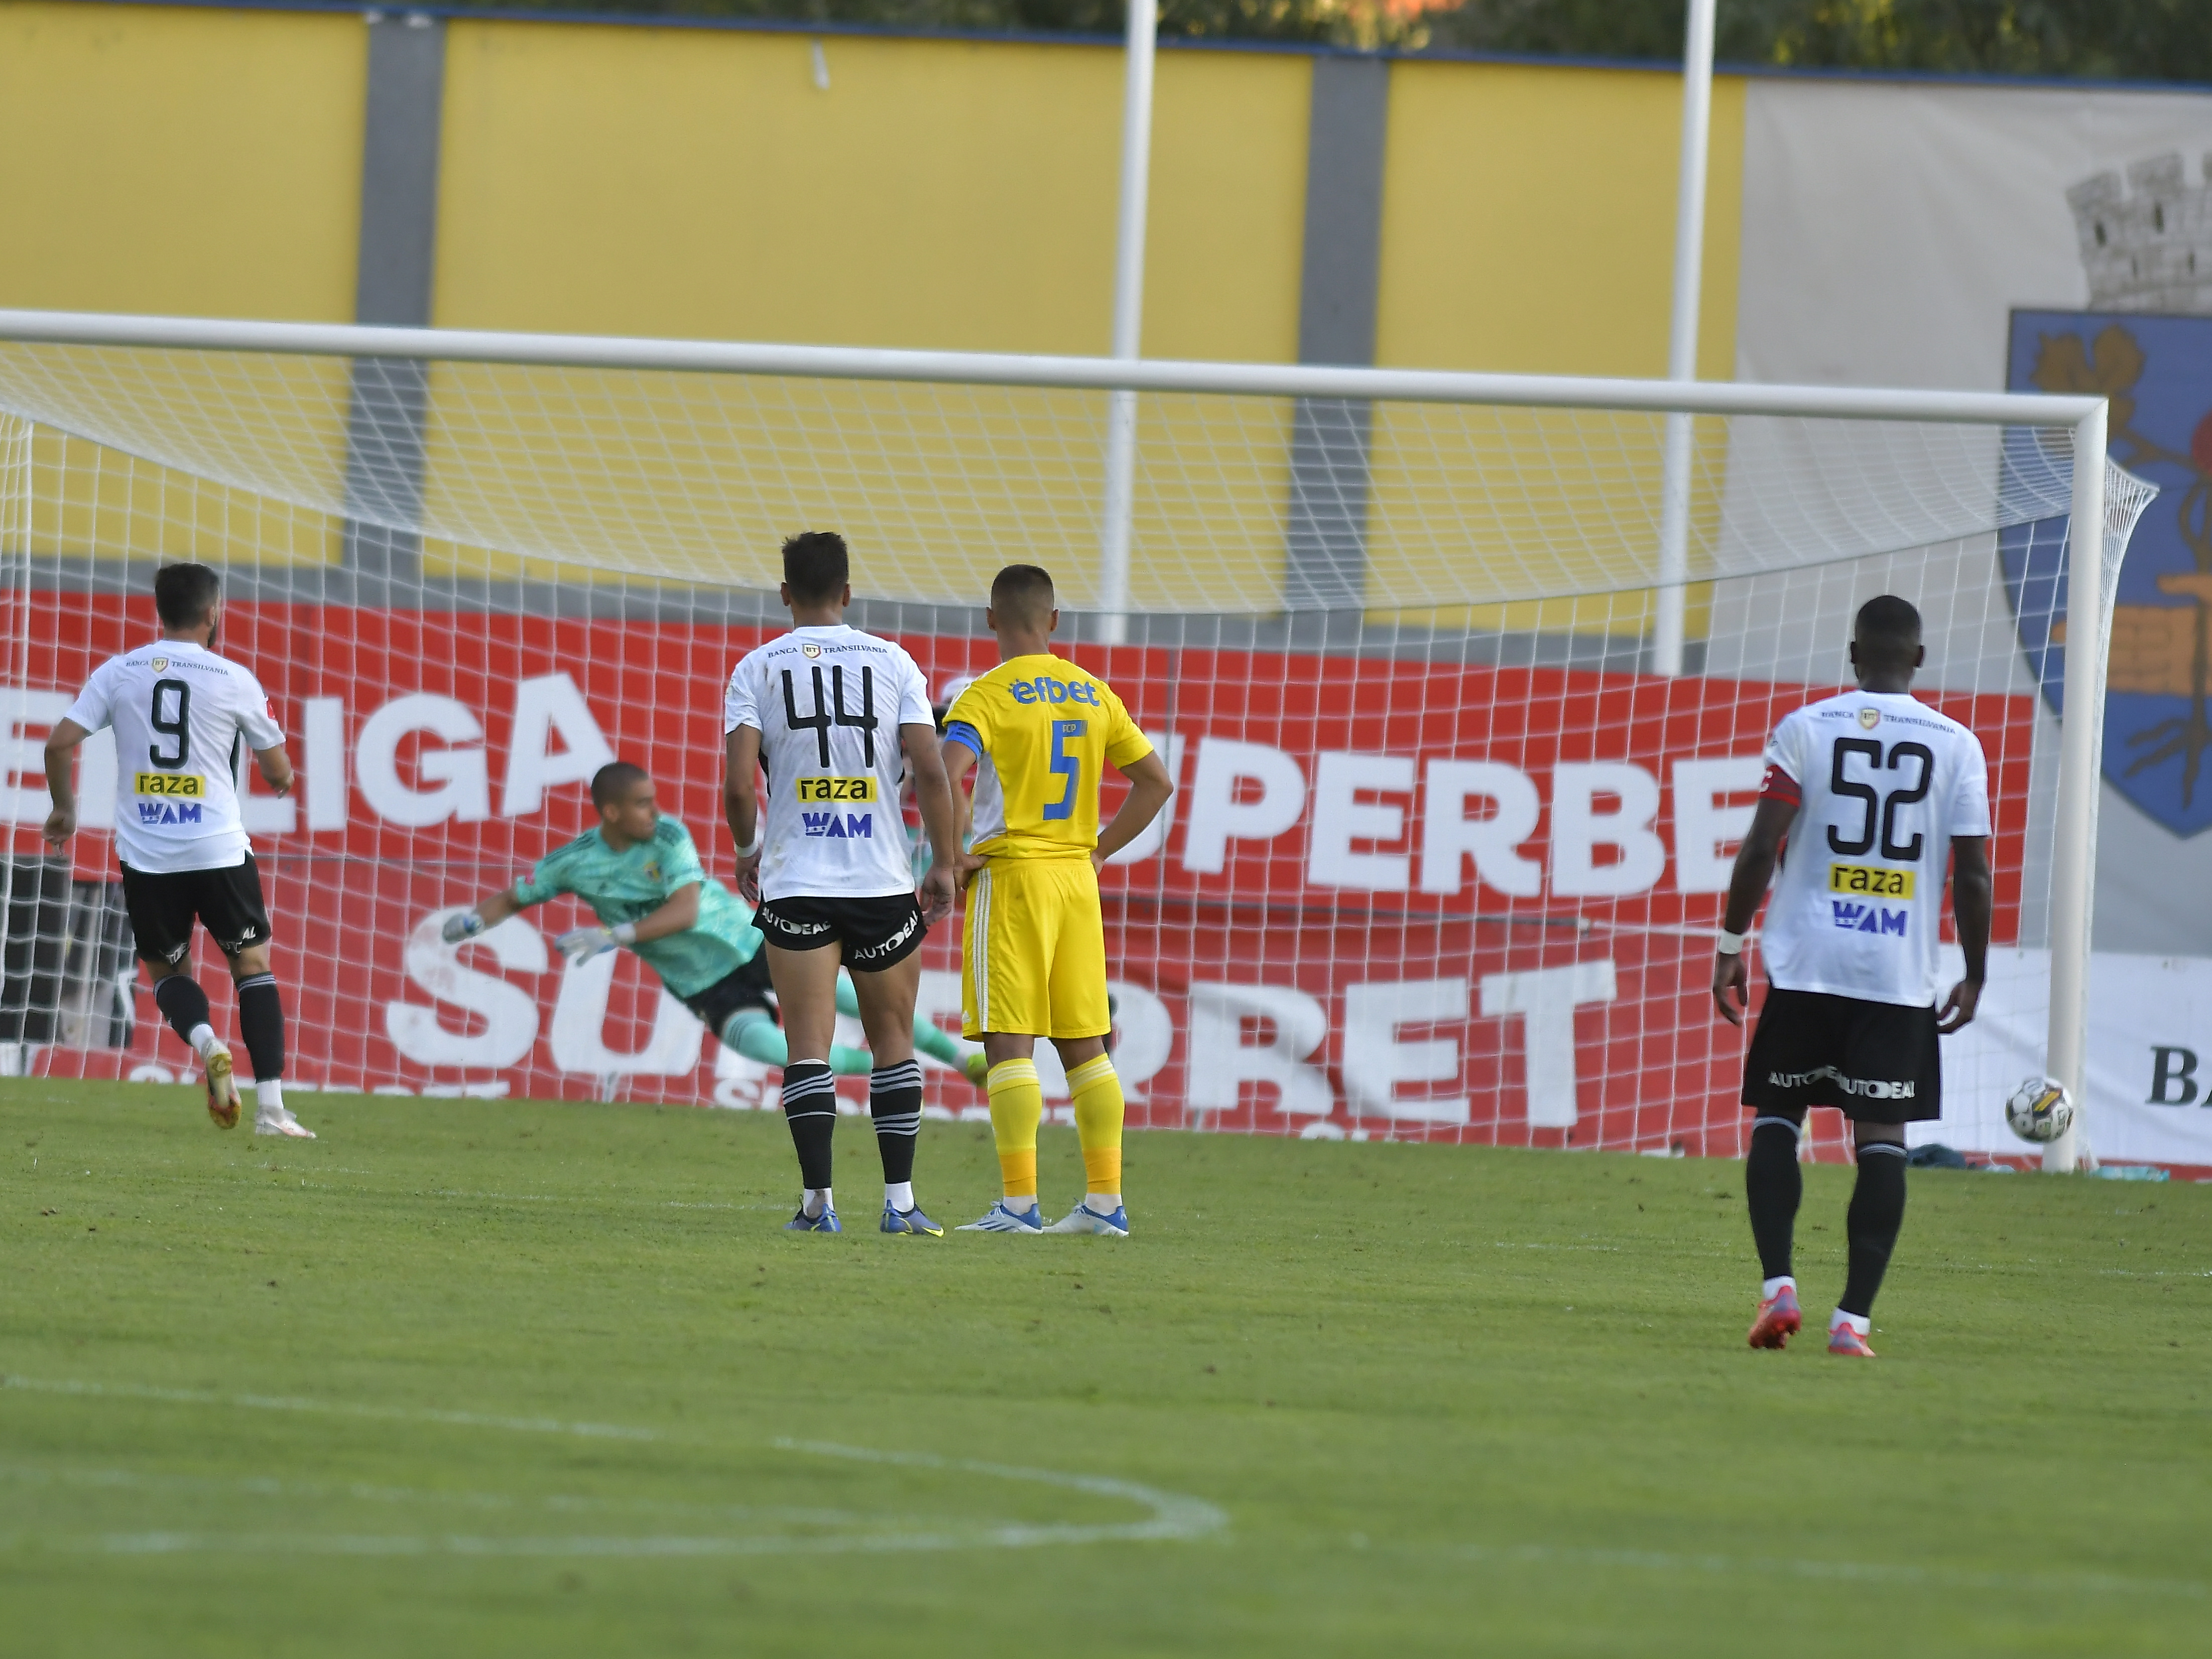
2150,1057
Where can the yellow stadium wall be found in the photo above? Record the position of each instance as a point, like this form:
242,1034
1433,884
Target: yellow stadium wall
936,193
192,163
704,183
1528,220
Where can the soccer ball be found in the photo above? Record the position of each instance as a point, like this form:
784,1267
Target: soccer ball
2040,1109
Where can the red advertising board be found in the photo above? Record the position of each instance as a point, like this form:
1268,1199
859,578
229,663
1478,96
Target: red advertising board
1394,897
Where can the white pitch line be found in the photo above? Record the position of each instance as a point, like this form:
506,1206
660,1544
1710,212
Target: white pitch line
1867,1572
1174,1516
382,1414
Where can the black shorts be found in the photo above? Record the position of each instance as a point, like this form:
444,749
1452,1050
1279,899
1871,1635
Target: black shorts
162,908
745,986
1874,1061
873,933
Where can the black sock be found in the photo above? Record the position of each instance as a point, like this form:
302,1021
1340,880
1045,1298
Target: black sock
895,1102
809,1106
261,1022
182,1003
1773,1186
1877,1211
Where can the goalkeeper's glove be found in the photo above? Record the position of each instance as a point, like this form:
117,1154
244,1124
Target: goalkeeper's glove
464,927
580,945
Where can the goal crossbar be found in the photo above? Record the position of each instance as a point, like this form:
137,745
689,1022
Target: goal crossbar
1059,373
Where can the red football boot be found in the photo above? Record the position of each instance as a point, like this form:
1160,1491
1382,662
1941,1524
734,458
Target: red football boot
1778,1319
1845,1341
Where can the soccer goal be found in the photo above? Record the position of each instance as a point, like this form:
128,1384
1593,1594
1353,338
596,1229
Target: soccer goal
1461,753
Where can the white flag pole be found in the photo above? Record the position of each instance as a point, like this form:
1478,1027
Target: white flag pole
1668,626
1128,321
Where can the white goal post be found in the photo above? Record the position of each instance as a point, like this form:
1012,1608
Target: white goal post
72,374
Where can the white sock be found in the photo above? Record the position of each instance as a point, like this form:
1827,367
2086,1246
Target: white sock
203,1039
1102,1203
1859,1322
899,1195
816,1201
1769,1288
269,1098
1021,1205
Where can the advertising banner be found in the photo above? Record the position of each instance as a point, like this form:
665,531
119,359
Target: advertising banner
1392,897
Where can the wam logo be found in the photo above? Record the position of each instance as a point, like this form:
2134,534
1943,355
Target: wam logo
836,826
1856,918
155,812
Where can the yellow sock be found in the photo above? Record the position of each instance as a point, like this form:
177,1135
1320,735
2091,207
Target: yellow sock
1016,1104
1096,1087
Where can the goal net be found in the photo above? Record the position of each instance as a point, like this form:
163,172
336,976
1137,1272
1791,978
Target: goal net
1454,815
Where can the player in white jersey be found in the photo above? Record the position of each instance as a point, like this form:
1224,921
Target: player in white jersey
825,713
1878,797
182,716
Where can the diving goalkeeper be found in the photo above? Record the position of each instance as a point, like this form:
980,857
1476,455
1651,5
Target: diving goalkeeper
640,874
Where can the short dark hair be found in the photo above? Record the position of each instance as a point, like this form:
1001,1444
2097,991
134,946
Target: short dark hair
615,780
185,593
1026,591
1889,627
815,565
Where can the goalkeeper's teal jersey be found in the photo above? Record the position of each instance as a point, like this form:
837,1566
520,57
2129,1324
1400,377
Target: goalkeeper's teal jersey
631,885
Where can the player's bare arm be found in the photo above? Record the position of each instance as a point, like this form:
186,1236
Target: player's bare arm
276,769
1150,790
958,760
61,757
932,792
1970,891
741,806
1748,882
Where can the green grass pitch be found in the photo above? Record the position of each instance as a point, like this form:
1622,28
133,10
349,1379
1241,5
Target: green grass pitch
542,1379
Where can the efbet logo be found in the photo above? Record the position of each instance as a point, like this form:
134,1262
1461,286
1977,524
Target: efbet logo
155,811
839,826
1045,688
1854,918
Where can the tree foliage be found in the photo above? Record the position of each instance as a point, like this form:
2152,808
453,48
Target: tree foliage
2116,40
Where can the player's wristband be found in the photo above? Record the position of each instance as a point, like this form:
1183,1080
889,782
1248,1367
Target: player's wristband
1730,944
760,835
625,932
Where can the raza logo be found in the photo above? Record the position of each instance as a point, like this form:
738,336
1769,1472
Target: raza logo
828,789
1871,879
189,785
1854,918
834,826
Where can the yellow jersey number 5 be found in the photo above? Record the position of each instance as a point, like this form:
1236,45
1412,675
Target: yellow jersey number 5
1068,766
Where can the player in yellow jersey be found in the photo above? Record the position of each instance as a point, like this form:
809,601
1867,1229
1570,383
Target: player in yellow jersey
1038,732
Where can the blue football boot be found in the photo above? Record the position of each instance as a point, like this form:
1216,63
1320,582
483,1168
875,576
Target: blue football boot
804,1222
909,1221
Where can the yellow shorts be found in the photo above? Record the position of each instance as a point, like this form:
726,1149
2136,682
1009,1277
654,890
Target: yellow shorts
1033,951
